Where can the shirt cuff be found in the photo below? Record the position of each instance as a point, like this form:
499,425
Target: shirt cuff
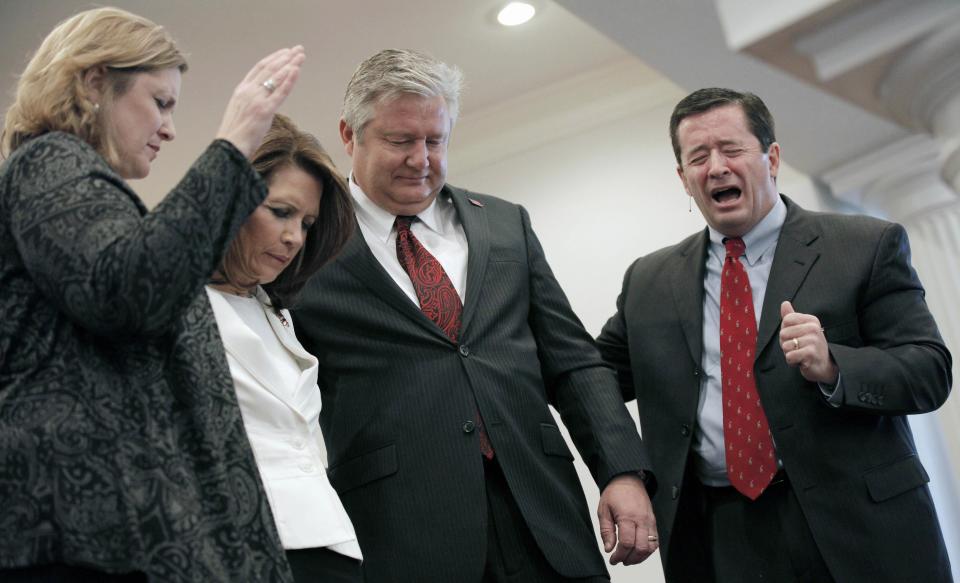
832,394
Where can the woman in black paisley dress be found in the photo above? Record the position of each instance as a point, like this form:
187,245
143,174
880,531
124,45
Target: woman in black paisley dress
123,455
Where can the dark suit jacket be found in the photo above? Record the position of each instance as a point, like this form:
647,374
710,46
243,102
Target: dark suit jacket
121,442
854,468
399,399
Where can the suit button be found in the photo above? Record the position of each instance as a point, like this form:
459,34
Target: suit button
685,430
675,492
307,468
298,445
469,426
464,350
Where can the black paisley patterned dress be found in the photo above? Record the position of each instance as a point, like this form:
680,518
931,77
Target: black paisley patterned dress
121,442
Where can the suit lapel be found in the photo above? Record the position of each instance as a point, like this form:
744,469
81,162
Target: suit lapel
357,258
307,395
687,283
248,351
473,217
795,255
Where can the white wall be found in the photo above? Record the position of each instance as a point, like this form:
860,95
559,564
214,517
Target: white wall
599,197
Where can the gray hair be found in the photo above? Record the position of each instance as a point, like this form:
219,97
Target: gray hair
393,72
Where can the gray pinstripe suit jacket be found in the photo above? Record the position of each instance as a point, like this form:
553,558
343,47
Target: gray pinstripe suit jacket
854,468
397,396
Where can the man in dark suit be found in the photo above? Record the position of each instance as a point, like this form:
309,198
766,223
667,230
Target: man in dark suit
774,357
443,337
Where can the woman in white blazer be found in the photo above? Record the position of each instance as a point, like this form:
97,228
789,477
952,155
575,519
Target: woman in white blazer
304,221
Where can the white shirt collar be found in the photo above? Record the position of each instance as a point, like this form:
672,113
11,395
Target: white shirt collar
380,221
759,239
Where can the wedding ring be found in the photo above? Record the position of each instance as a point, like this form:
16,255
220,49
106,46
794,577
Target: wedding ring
652,538
796,344
269,85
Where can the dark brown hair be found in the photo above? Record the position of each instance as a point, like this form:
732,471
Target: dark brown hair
285,146
758,116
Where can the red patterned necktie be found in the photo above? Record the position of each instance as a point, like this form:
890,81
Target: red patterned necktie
438,298
751,462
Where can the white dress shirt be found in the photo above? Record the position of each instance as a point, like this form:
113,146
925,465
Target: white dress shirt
276,384
438,229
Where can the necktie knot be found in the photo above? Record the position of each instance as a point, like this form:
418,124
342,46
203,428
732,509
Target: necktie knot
403,222
735,247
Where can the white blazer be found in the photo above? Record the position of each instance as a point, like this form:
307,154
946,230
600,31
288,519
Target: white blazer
283,426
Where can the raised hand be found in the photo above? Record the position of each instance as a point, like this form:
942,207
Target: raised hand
257,98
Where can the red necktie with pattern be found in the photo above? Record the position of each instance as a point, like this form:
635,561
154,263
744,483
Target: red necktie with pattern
751,462
438,298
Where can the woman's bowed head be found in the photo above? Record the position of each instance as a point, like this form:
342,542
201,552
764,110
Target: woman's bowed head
305,220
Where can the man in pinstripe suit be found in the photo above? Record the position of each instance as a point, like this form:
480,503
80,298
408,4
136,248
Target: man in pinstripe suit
408,405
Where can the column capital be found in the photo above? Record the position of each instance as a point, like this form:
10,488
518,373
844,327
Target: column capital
922,86
900,180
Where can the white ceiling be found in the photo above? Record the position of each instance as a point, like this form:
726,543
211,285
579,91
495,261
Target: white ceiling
818,131
224,38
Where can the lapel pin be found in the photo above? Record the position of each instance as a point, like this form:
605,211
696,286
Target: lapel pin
475,202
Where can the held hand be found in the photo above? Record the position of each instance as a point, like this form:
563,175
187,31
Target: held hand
804,345
626,514
255,100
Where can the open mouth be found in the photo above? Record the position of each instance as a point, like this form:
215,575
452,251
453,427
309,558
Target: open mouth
726,195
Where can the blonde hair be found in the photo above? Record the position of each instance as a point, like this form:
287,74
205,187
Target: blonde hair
52,94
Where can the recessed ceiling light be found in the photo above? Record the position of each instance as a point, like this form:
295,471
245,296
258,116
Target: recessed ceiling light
516,13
